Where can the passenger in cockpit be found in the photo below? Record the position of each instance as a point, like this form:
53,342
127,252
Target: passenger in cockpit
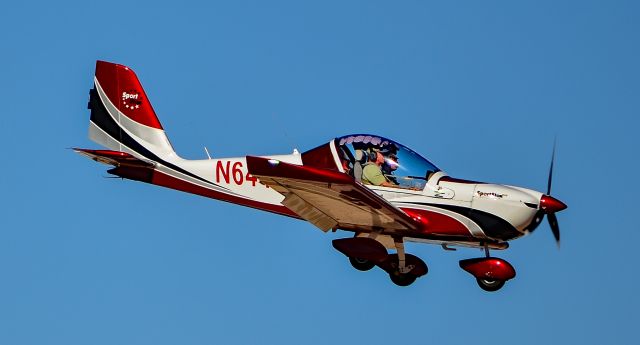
372,171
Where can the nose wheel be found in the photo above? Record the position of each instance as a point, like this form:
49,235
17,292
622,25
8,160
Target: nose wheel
490,273
490,285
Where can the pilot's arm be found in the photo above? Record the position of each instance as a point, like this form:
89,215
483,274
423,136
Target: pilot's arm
372,174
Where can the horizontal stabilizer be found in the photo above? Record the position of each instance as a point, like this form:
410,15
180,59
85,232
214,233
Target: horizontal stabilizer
115,158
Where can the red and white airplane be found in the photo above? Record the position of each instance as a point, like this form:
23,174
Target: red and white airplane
382,191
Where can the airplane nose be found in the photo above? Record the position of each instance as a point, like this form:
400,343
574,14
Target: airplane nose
550,204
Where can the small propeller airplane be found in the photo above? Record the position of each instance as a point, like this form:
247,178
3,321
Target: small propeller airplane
382,191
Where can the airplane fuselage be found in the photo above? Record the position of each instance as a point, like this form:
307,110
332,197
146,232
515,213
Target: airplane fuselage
377,188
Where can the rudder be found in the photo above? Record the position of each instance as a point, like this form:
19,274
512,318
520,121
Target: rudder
122,117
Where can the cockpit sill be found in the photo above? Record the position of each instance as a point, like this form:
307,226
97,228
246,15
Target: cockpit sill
432,188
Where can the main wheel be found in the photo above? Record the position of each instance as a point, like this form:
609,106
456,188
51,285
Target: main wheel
361,264
402,279
490,285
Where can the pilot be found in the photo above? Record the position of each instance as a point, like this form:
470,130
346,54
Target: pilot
372,171
390,165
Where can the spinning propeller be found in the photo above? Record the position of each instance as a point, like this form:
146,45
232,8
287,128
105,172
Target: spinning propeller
550,205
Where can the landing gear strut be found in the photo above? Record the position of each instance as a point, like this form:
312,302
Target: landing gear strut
402,276
403,269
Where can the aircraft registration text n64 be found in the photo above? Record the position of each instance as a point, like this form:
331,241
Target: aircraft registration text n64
228,172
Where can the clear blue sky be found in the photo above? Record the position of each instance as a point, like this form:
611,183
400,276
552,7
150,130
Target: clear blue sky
479,87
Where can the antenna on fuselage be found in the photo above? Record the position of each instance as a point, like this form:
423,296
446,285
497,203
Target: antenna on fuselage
207,151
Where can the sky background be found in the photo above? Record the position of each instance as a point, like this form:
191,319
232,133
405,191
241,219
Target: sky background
480,88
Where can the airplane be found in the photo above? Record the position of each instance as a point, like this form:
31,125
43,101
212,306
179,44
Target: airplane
376,188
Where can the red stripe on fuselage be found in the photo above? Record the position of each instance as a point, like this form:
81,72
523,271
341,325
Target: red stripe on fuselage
434,223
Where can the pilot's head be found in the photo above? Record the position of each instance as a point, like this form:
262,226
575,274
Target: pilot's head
379,158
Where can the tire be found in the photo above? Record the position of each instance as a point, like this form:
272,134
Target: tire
402,279
361,264
490,285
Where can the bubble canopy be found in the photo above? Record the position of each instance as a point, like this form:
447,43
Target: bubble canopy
402,167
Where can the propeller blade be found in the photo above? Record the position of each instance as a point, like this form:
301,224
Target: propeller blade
555,228
553,157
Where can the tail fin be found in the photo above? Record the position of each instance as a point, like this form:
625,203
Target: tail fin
122,118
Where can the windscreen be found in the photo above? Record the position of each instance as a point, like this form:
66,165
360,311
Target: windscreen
378,161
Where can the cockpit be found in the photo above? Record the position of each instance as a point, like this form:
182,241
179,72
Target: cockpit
374,160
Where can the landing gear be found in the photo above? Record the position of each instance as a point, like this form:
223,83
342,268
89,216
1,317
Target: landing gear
364,253
403,269
361,264
401,279
490,273
490,285
413,269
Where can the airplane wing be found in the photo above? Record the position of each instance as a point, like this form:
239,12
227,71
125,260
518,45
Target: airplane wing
329,199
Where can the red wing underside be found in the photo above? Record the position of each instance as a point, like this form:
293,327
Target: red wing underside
329,199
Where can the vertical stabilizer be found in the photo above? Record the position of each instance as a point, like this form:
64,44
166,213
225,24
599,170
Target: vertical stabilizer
122,117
